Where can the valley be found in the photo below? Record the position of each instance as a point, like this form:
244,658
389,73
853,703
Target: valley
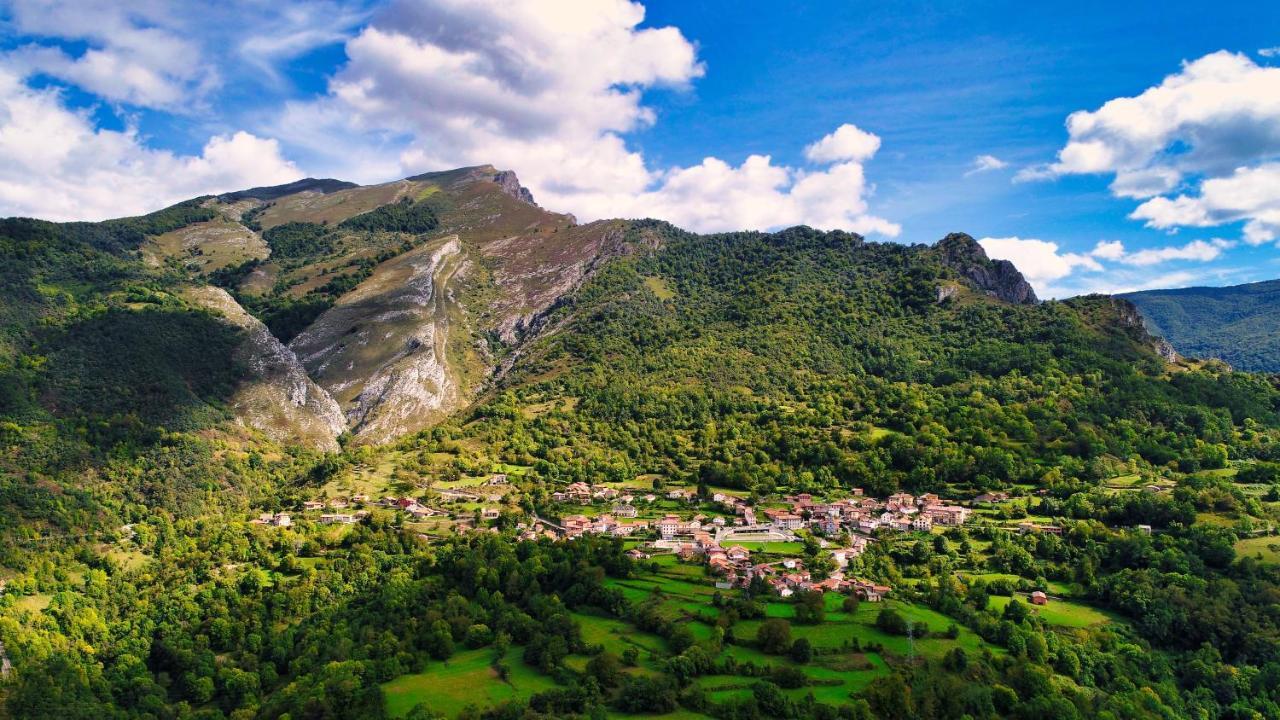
427,450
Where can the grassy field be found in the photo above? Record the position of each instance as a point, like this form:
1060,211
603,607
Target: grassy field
659,287
1268,546
1063,613
465,679
842,629
851,651
32,603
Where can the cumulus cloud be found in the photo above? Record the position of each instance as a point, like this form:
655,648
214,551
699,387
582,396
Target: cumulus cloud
132,56
848,142
1196,250
1215,125
162,55
55,164
985,163
1055,273
1269,52
1040,261
550,89
1248,194
1108,250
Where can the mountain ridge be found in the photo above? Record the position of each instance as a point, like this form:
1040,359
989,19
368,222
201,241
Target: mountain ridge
403,302
1236,324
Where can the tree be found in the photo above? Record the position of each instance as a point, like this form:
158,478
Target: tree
801,651
440,642
1016,611
774,636
606,668
643,694
892,622
810,607
631,656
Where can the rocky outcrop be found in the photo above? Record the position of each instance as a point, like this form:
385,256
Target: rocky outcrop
510,185
383,351
1131,319
998,278
276,396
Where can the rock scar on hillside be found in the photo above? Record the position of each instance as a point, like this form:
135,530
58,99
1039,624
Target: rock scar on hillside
382,351
276,397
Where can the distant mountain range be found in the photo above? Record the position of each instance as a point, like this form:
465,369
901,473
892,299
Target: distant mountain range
1238,324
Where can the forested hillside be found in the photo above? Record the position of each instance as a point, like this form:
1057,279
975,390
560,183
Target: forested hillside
1235,324
173,545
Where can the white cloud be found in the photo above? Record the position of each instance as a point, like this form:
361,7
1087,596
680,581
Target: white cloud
1197,250
165,55
1114,283
1215,123
1269,52
55,164
715,196
1249,194
550,89
1040,261
848,142
984,163
1108,250
134,53
1054,273
1218,112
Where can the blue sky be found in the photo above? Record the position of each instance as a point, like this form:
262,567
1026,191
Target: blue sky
903,121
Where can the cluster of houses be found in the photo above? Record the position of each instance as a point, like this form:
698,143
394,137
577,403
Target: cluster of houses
584,494
901,511
577,525
734,567
273,519
410,506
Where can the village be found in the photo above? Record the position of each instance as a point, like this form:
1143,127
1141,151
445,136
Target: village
741,544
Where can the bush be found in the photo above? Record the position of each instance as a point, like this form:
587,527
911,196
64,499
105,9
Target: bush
892,622
774,636
801,652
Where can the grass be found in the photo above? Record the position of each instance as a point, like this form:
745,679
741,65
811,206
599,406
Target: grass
659,287
875,433
1267,546
841,629
1062,613
465,679
32,603
1125,481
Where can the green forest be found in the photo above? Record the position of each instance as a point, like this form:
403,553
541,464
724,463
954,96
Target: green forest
759,365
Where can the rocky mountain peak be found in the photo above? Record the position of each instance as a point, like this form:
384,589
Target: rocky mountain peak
510,185
997,278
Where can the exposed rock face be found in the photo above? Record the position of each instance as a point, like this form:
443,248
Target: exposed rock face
277,397
383,350
1132,319
510,185
432,326
997,278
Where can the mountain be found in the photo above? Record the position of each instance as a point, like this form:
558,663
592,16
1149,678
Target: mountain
202,408
398,299
1238,324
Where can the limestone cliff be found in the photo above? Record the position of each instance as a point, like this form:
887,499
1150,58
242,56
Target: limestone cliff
998,278
276,397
